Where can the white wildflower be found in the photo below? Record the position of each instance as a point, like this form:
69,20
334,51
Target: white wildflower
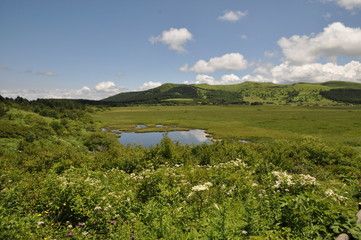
199,188
190,194
306,179
283,178
203,187
331,194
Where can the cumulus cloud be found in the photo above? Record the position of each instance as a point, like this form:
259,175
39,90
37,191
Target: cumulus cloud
263,68
233,16
225,79
149,85
316,72
227,62
100,91
335,40
206,79
174,38
347,4
287,73
108,87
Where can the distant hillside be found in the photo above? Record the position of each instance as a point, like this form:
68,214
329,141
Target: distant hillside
328,93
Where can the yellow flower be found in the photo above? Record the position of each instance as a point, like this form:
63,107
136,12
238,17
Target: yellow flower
39,215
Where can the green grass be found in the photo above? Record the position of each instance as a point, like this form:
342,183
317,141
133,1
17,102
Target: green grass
179,100
256,123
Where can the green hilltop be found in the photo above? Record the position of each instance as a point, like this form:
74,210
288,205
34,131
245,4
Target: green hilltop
254,93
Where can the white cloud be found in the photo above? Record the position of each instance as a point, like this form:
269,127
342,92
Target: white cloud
46,74
243,37
316,72
108,87
335,40
174,38
203,78
227,62
233,16
287,73
347,4
149,85
263,68
100,91
225,79
230,79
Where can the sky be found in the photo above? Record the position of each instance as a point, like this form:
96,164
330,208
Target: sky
92,49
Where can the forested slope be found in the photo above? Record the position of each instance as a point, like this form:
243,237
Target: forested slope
309,94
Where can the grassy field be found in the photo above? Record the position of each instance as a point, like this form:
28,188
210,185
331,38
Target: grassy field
255,123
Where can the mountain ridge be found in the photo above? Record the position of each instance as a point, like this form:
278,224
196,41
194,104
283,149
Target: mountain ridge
326,93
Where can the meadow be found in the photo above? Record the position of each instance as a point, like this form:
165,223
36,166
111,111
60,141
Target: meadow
254,123
63,178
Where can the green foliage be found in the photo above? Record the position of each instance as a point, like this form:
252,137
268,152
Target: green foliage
344,95
100,141
64,180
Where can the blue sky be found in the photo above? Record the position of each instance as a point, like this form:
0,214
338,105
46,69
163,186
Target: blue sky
96,48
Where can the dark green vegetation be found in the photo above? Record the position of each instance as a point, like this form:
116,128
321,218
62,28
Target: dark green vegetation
329,93
62,178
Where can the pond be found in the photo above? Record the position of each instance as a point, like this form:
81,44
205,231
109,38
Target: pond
149,139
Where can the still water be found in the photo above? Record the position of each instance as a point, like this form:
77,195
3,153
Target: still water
148,139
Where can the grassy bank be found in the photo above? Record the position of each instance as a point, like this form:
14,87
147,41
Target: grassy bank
255,123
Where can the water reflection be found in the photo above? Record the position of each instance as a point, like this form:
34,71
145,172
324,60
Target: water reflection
148,139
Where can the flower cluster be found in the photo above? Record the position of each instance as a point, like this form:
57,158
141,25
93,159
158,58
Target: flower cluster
331,194
202,187
283,179
305,179
230,164
286,180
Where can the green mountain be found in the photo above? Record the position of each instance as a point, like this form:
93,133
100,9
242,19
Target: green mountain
328,93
